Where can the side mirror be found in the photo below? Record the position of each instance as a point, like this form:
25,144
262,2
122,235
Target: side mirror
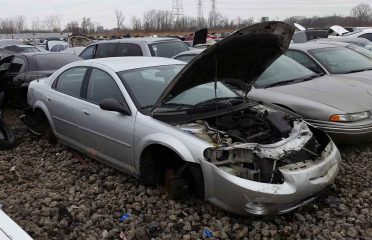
110,104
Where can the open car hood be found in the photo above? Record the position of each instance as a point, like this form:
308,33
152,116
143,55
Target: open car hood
242,56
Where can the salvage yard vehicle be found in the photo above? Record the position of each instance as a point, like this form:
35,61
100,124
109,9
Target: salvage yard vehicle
328,58
340,106
9,230
18,70
180,125
147,46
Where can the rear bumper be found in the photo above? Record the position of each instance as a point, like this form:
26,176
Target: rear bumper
300,186
346,132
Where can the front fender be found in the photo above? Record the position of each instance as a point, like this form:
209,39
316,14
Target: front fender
168,141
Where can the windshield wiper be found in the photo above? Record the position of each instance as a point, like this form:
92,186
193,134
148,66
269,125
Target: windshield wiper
228,100
177,106
297,80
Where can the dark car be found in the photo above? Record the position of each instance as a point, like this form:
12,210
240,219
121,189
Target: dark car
149,46
21,48
18,70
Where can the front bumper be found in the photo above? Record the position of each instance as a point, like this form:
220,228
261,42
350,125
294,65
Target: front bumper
346,132
301,184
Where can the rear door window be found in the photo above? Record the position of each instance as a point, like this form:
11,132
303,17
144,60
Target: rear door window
105,50
129,49
367,36
70,81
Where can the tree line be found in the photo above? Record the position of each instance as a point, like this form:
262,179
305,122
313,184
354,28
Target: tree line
164,21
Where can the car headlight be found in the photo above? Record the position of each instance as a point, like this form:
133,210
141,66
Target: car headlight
350,117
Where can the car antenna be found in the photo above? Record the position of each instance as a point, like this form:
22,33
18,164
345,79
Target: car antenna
215,95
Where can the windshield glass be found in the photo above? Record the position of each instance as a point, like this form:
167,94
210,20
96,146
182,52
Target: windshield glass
341,60
366,44
203,93
168,49
361,50
282,70
145,85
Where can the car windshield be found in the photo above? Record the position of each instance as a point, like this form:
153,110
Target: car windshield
21,49
366,44
145,85
341,60
168,49
283,70
360,50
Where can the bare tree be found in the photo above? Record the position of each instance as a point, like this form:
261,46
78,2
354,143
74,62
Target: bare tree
19,23
87,26
119,19
362,12
36,25
136,23
52,23
73,27
7,26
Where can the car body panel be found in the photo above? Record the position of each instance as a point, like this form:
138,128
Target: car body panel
9,230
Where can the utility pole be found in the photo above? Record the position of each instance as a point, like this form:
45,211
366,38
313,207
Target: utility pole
177,8
177,11
200,17
213,14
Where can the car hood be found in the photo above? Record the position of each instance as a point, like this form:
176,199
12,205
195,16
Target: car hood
364,77
343,94
242,56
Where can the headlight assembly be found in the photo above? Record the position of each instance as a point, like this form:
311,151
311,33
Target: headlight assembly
350,117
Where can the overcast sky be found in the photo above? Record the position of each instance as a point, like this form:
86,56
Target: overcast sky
102,11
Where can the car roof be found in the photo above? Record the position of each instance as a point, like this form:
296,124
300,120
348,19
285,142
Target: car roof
148,40
310,46
336,43
119,64
194,51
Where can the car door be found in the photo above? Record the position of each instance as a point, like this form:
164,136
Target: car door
108,135
62,103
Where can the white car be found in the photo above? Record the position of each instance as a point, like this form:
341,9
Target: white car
9,230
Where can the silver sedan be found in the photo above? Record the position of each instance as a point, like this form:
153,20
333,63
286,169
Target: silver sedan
179,125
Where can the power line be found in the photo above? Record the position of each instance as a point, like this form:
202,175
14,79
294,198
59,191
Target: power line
177,8
200,17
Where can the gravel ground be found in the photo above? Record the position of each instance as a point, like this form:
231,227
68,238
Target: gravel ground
53,195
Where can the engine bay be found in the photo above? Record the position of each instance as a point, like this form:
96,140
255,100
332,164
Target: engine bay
255,142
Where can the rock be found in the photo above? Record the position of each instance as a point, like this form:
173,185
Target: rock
300,217
352,232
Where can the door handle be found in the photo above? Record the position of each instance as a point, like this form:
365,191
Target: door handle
85,112
49,100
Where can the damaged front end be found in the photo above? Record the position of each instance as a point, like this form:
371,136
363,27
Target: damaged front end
264,161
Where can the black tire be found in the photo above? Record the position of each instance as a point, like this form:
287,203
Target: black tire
7,138
150,174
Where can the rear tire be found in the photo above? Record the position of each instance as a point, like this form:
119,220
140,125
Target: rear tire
7,138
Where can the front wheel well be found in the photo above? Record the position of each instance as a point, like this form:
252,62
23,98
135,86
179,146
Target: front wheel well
157,160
